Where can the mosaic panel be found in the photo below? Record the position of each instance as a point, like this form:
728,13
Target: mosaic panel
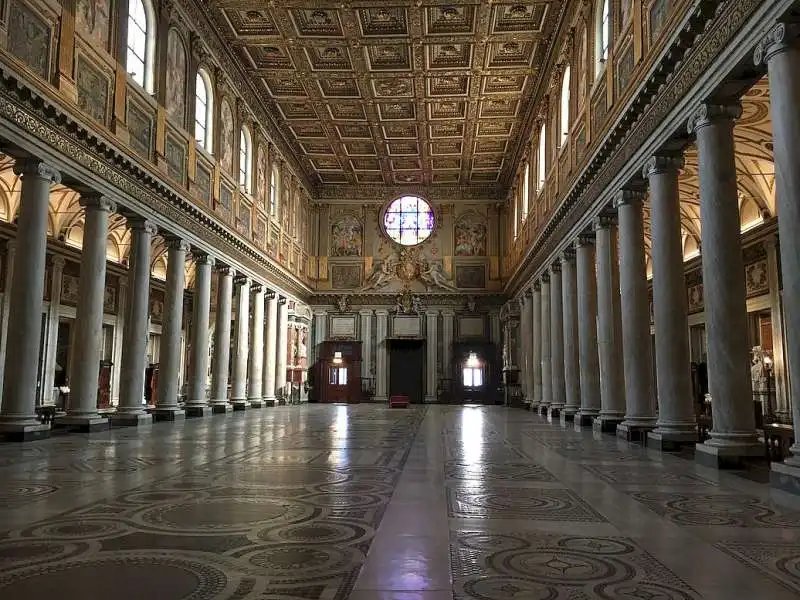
519,503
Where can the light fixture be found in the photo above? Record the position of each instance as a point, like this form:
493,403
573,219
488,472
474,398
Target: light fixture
472,360
337,358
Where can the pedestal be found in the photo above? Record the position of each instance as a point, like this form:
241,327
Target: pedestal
605,424
728,456
198,411
133,419
88,424
671,441
634,433
21,432
168,414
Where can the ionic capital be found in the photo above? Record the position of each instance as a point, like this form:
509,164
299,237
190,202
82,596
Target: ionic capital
269,294
97,202
202,258
33,167
662,163
604,221
585,239
58,262
537,287
628,197
282,300
140,224
176,243
256,287
707,114
568,255
556,266
545,278
779,39
226,270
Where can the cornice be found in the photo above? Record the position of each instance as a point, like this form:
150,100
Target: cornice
353,300
710,27
378,194
52,125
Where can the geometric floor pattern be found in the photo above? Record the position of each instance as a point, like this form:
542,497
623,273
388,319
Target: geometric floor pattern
322,502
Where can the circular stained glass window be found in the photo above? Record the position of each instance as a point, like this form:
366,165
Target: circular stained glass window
408,220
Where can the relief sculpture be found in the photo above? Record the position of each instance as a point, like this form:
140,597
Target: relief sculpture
346,237
176,78
470,235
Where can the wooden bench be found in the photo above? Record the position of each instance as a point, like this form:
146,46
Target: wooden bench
398,401
778,438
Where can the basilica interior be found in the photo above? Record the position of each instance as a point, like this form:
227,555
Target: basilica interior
399,299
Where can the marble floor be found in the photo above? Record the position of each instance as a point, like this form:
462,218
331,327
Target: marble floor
362,502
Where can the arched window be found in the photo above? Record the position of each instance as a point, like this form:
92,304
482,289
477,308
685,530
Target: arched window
273,192
564,107
603,35
526,189
245,159
141,43
542,171
204,111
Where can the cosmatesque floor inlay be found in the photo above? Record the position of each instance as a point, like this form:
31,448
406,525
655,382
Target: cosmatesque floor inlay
363,502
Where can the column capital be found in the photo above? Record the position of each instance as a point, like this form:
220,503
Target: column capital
381,312
226,270
365,312
780,38
202,258
256,287
629,197
269,294
282,300
137,223
240,279
604,221
96,201
527,293
556,266
33,167
708,113
545,278
568,255
58,261
585,239
662,163
176,243
432,312
448,312
537,287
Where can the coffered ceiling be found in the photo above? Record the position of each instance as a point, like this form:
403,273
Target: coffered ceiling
394,92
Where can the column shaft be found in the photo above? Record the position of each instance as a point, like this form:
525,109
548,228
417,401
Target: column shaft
637,357
255,385
197,401
448,323
587,330
220,360
676,415
733,435
88,341
609,327
170,353
366,339
283,349
241,344
18,412
556,342
134,349
270,348
381,356
526,339
56,279
547,379
431,335
569,293
536,347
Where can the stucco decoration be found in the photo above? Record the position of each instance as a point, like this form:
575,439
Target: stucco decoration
346,236
470,235
226,137
176,78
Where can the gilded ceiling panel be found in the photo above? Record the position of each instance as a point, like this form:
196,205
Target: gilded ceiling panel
395,92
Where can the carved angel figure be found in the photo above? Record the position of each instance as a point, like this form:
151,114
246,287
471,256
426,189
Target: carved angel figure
380,276
433,276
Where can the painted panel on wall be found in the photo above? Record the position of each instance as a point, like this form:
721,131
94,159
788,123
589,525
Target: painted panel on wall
471,276
176,78
346,236
345,277
470,235
140,130
93,90
29,38
92,20
226,137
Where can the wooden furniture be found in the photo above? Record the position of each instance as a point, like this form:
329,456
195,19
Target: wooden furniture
398,402
778,438
337,373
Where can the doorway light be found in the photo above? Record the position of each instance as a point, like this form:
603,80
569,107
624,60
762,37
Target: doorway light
337,358
472,360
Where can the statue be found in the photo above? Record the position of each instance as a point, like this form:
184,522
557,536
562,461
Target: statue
434,277
380,276
302,349
758,375
342,303
471,304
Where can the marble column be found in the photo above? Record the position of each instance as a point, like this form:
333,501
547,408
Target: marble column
526,341
431,347
676,415
381,356
587,331
536,347
88,337
131,409
7,279
366,339
569,294
51,345
270,348
283,349
18,413
609,327
733,436
255,377
556,343
320,330
547,379
197,400
167,391
220,359
781,53
241,343
448,322
637,356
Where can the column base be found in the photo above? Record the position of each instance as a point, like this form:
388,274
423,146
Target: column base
543,410
568,416
269,401
381,399
168,414
239,405
198,411
671,441
732,456
606,424
430,400
584,419
256,403
220,409
785,476
131,419
553,413
281,401
84,424
24,432
634,432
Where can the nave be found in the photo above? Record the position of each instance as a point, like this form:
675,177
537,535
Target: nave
431,503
